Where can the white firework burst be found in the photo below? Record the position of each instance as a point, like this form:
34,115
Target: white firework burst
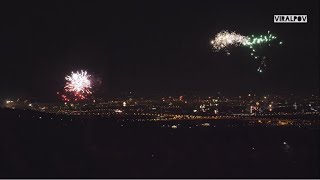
224,39
78,83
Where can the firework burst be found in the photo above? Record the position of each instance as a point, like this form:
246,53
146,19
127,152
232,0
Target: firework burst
78,86
225,39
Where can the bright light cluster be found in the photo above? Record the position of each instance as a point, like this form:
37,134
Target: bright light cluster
224,39
78,84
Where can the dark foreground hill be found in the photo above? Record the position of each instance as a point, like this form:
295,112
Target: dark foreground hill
37,145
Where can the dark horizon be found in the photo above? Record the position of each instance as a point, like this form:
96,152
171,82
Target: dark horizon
148,47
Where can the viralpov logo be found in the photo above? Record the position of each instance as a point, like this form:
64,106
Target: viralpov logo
290,18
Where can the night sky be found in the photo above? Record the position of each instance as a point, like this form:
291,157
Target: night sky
152,46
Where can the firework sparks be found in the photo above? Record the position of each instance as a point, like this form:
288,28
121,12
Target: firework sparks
260,42
78,84
224,39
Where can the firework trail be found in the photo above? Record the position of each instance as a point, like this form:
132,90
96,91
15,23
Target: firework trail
225,39
259,46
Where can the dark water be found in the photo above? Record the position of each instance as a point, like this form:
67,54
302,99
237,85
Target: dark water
101,148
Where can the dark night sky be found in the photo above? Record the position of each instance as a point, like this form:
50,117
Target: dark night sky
148,46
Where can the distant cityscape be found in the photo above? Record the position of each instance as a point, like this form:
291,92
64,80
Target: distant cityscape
251,109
